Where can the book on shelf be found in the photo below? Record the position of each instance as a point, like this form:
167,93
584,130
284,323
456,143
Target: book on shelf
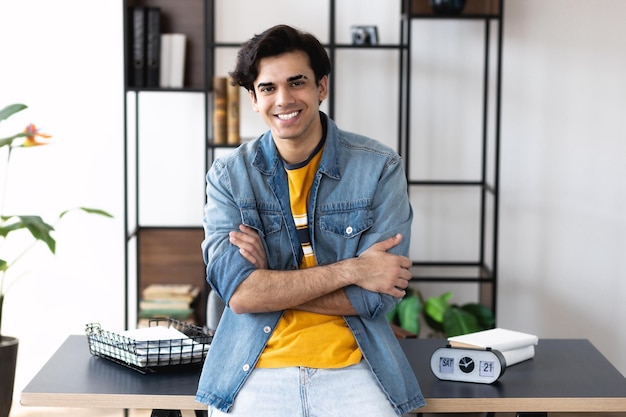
226,104
137,47
177,60
153,48
173,51
168,300
232,112
182,292
515,346
165,55
164,304
220,128
144,30
178,314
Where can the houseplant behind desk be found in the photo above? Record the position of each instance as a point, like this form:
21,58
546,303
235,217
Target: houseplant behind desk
39,230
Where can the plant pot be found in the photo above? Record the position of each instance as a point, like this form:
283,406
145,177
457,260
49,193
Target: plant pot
8,360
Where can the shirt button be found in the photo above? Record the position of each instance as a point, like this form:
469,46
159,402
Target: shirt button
349,230
267,329
246,368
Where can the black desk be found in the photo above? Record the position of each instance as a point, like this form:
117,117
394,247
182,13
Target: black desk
74,378
564,376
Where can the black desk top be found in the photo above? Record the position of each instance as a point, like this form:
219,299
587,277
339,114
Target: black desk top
564,375
74,378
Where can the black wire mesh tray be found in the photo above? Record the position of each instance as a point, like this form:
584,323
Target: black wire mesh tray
165,345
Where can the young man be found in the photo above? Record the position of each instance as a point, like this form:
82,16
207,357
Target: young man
307,231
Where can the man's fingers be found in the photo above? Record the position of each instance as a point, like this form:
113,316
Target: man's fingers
250,245
386,244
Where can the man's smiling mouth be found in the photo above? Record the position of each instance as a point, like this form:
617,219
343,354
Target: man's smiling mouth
288,116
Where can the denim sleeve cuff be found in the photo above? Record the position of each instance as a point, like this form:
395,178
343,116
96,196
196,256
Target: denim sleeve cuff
366,303
227,271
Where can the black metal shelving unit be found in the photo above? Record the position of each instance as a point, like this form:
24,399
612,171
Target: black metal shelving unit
197,18
190,17
482,270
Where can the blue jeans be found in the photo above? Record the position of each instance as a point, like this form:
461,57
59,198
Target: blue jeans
306,392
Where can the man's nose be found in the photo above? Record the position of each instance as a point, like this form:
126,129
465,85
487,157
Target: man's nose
284,97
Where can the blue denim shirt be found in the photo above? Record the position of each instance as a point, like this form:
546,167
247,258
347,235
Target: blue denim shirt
358,198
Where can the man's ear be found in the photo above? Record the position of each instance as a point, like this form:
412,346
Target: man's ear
252,95
322,88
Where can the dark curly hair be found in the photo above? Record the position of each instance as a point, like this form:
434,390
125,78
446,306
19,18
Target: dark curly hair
275,41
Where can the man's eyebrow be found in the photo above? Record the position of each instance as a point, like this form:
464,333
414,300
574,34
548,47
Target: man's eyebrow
297,77
290,79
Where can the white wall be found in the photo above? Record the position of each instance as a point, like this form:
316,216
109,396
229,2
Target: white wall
562,242
563,234
64,60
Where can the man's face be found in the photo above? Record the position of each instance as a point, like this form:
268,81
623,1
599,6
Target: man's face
288,98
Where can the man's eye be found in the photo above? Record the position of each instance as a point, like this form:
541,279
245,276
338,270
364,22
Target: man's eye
266,89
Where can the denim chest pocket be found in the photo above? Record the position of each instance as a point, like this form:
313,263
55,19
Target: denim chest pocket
267,222
347,223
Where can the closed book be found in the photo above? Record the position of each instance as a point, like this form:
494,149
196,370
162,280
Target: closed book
513,356
164,304
137,47
498,339
170,292
177,60
166,52
166,289
173,313
153,48
220,131
232,112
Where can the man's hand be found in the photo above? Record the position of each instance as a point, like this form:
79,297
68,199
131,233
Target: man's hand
250,246
379,271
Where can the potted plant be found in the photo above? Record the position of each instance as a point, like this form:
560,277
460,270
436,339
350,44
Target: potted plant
444,318
17,224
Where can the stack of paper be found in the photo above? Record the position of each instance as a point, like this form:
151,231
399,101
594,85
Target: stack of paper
164,345
514,346
150,346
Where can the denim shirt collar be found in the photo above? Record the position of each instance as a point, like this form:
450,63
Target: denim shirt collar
267,159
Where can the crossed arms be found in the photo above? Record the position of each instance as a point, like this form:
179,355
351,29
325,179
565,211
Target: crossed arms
319,289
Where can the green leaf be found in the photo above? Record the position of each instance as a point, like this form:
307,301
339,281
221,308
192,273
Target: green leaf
484,315
4,265
87,210
10,110
408,313
457,321
8,141
435,307
35,225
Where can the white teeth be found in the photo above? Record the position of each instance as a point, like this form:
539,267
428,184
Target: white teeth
287,116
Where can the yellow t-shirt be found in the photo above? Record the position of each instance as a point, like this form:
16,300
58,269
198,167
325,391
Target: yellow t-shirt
302,338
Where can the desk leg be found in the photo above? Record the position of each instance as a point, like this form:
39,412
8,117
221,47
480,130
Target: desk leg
176,413
166,413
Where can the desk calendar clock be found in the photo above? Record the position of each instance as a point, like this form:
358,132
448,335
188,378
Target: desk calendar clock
467,364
